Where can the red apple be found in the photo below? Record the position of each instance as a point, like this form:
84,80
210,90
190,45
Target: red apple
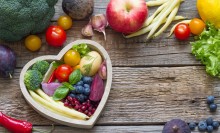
126,16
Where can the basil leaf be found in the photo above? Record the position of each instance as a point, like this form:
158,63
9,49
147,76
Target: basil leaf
68,85
75,77
60,93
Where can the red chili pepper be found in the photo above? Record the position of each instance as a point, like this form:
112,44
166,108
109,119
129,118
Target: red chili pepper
52,77
15,126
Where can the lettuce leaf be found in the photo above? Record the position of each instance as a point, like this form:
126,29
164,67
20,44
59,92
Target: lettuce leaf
83,49
207,49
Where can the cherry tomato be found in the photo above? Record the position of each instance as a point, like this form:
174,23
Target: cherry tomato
55,36
182,31
62,72
196,26
72,57
32,43
65,22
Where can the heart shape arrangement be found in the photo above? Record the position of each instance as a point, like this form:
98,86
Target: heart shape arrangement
60,118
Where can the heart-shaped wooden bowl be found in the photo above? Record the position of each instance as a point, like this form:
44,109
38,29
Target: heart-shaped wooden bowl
57,117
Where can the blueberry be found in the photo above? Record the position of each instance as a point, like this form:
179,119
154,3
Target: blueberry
72,95
209,121
73,91
209,129
213,107
79,83
79,89
87,80
215,124
86,85
85,97
80,97
192,125
202,126
86,91
210,99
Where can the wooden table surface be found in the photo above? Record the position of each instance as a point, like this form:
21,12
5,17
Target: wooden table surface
154,81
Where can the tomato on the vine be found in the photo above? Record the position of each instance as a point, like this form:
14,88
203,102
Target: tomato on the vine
196,26
65,22
182,31
55,36
62,72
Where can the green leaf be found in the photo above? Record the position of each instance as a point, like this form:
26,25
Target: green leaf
207,49
68,85
60,93
75,77
83,49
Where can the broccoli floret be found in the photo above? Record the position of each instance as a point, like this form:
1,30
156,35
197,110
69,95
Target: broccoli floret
20,18
41,66
33,79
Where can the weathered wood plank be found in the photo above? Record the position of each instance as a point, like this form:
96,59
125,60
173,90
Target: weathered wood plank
123,52
161,51
104,129
139,95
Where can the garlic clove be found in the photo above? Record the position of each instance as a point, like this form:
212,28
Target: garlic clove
87,30
99,22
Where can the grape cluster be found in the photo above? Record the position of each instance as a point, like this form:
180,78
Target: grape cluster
88,107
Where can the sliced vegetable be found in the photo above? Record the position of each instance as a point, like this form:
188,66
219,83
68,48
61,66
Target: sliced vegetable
50,88
97,89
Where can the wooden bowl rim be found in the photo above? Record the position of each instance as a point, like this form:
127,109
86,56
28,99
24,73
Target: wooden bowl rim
59,118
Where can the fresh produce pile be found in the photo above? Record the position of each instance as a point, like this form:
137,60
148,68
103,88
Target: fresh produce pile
75,85
166,13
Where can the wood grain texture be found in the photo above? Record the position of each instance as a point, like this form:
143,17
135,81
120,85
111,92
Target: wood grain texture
153,80
138,96
104,129
137,51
